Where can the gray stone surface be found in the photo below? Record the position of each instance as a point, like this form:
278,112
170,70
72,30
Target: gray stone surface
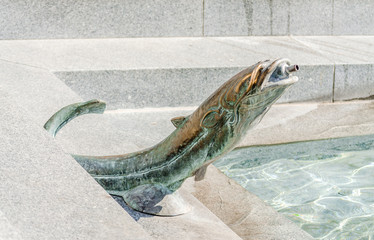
169,53
279,12
315,84
353,17
37,90
152,88
99,19
227,18
44,193
342,49
292,17
118,132
354,81
165,18
311,121
310,17
155,72
261,18
7,231
169,88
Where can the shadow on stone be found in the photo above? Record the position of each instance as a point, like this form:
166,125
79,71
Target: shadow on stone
134,214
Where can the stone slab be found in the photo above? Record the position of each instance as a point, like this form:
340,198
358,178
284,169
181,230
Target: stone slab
154,72
148,88
227,18
242,211
342,49
69,55
354,81
353,17
7,231
44,193
310,17
293,17
37,90
99,19
165,18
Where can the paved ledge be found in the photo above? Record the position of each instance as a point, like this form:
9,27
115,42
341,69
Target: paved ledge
173,72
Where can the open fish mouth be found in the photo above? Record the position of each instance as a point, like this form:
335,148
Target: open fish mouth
279,73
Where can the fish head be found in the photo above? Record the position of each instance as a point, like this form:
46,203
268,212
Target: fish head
269,80
250,93
277,74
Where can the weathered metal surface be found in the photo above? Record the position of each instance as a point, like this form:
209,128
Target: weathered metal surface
148,179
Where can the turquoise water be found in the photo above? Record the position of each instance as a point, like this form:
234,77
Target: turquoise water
326,187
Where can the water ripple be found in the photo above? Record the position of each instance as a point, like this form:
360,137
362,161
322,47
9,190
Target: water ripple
325,189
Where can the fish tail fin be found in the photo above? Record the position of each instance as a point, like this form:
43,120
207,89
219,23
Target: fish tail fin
68,113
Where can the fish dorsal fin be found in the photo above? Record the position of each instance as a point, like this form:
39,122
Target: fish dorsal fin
177,121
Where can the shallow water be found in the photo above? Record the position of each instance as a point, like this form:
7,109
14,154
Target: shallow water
327,187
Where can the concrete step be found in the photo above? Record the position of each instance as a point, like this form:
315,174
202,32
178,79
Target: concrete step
178,18
174,72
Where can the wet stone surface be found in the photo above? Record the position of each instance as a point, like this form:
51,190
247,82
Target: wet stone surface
326,187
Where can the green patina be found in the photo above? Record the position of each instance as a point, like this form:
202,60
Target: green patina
144,178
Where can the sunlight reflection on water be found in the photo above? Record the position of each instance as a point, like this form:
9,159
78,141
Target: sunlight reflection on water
327,187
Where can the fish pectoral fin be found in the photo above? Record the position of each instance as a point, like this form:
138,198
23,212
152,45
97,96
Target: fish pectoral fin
177,121
200,173
155,199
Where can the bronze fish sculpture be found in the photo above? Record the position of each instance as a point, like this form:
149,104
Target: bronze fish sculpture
146,177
